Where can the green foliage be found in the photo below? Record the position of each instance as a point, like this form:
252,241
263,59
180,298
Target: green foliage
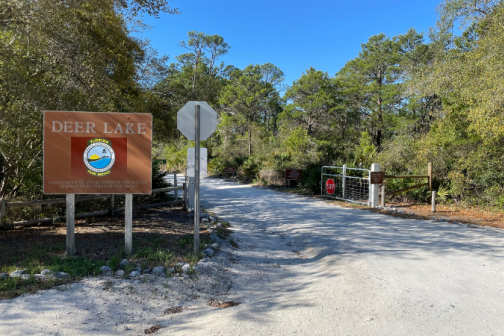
442,194
70,55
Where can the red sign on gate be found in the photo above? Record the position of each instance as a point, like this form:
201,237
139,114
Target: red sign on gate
230,170
330,186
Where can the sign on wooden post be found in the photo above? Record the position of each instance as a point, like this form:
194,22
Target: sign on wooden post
293,174
96,153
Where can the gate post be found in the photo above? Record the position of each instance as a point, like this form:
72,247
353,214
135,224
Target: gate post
374,188
344,178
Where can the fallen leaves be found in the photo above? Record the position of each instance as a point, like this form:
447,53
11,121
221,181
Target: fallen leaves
153,329
222,304
174,310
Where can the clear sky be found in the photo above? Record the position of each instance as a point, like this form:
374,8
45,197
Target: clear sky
291,34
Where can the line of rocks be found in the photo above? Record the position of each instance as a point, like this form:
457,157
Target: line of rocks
44,275
180,269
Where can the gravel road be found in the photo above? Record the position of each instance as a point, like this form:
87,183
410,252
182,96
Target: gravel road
307,267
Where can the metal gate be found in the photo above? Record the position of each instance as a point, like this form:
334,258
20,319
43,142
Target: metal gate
351,184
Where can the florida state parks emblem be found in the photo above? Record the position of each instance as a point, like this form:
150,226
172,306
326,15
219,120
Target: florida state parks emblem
99,157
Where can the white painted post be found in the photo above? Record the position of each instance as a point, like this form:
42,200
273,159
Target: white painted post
128,224
344,179
70,224
175,184
383,196
2,212
433,201
374,188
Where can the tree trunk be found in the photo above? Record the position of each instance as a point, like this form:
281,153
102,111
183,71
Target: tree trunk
250,141
380,118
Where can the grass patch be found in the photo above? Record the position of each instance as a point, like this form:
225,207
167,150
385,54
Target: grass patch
159,239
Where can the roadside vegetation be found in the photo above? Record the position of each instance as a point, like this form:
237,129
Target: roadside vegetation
403,101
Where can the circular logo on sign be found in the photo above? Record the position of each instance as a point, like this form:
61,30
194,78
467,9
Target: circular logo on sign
99,157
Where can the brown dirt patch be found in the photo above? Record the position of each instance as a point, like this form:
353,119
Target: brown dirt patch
222,304
153,329
450,213
174,310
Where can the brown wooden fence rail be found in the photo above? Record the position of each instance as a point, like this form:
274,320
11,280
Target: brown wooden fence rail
428,177
111,211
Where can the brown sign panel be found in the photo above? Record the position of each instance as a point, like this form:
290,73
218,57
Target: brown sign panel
97,153
293,174
376,177
230,170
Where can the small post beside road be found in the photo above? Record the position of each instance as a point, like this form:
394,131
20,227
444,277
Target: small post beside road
111,206
175,184
128,223
433,201
196,179
70,223
383,195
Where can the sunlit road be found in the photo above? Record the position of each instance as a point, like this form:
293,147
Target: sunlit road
307,267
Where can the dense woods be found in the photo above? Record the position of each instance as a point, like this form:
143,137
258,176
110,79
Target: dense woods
403,101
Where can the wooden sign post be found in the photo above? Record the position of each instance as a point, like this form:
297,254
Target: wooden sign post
97,153
292,175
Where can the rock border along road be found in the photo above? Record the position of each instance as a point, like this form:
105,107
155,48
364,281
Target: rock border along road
304,267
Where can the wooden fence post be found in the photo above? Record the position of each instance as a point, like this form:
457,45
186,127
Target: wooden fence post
70,223
128,224
429,172
2,212
433,201
111,207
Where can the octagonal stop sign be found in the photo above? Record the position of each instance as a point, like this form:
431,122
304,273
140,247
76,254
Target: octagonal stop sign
330,186
186,120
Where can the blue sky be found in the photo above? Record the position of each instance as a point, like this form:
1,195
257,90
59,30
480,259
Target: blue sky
293,35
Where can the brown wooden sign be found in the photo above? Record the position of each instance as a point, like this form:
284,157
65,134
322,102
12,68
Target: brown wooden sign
230,170
293,174
376,177
97,153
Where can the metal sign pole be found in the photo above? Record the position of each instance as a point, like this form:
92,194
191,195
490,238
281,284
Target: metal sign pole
197,180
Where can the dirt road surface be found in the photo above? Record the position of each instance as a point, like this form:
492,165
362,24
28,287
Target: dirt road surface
307,267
